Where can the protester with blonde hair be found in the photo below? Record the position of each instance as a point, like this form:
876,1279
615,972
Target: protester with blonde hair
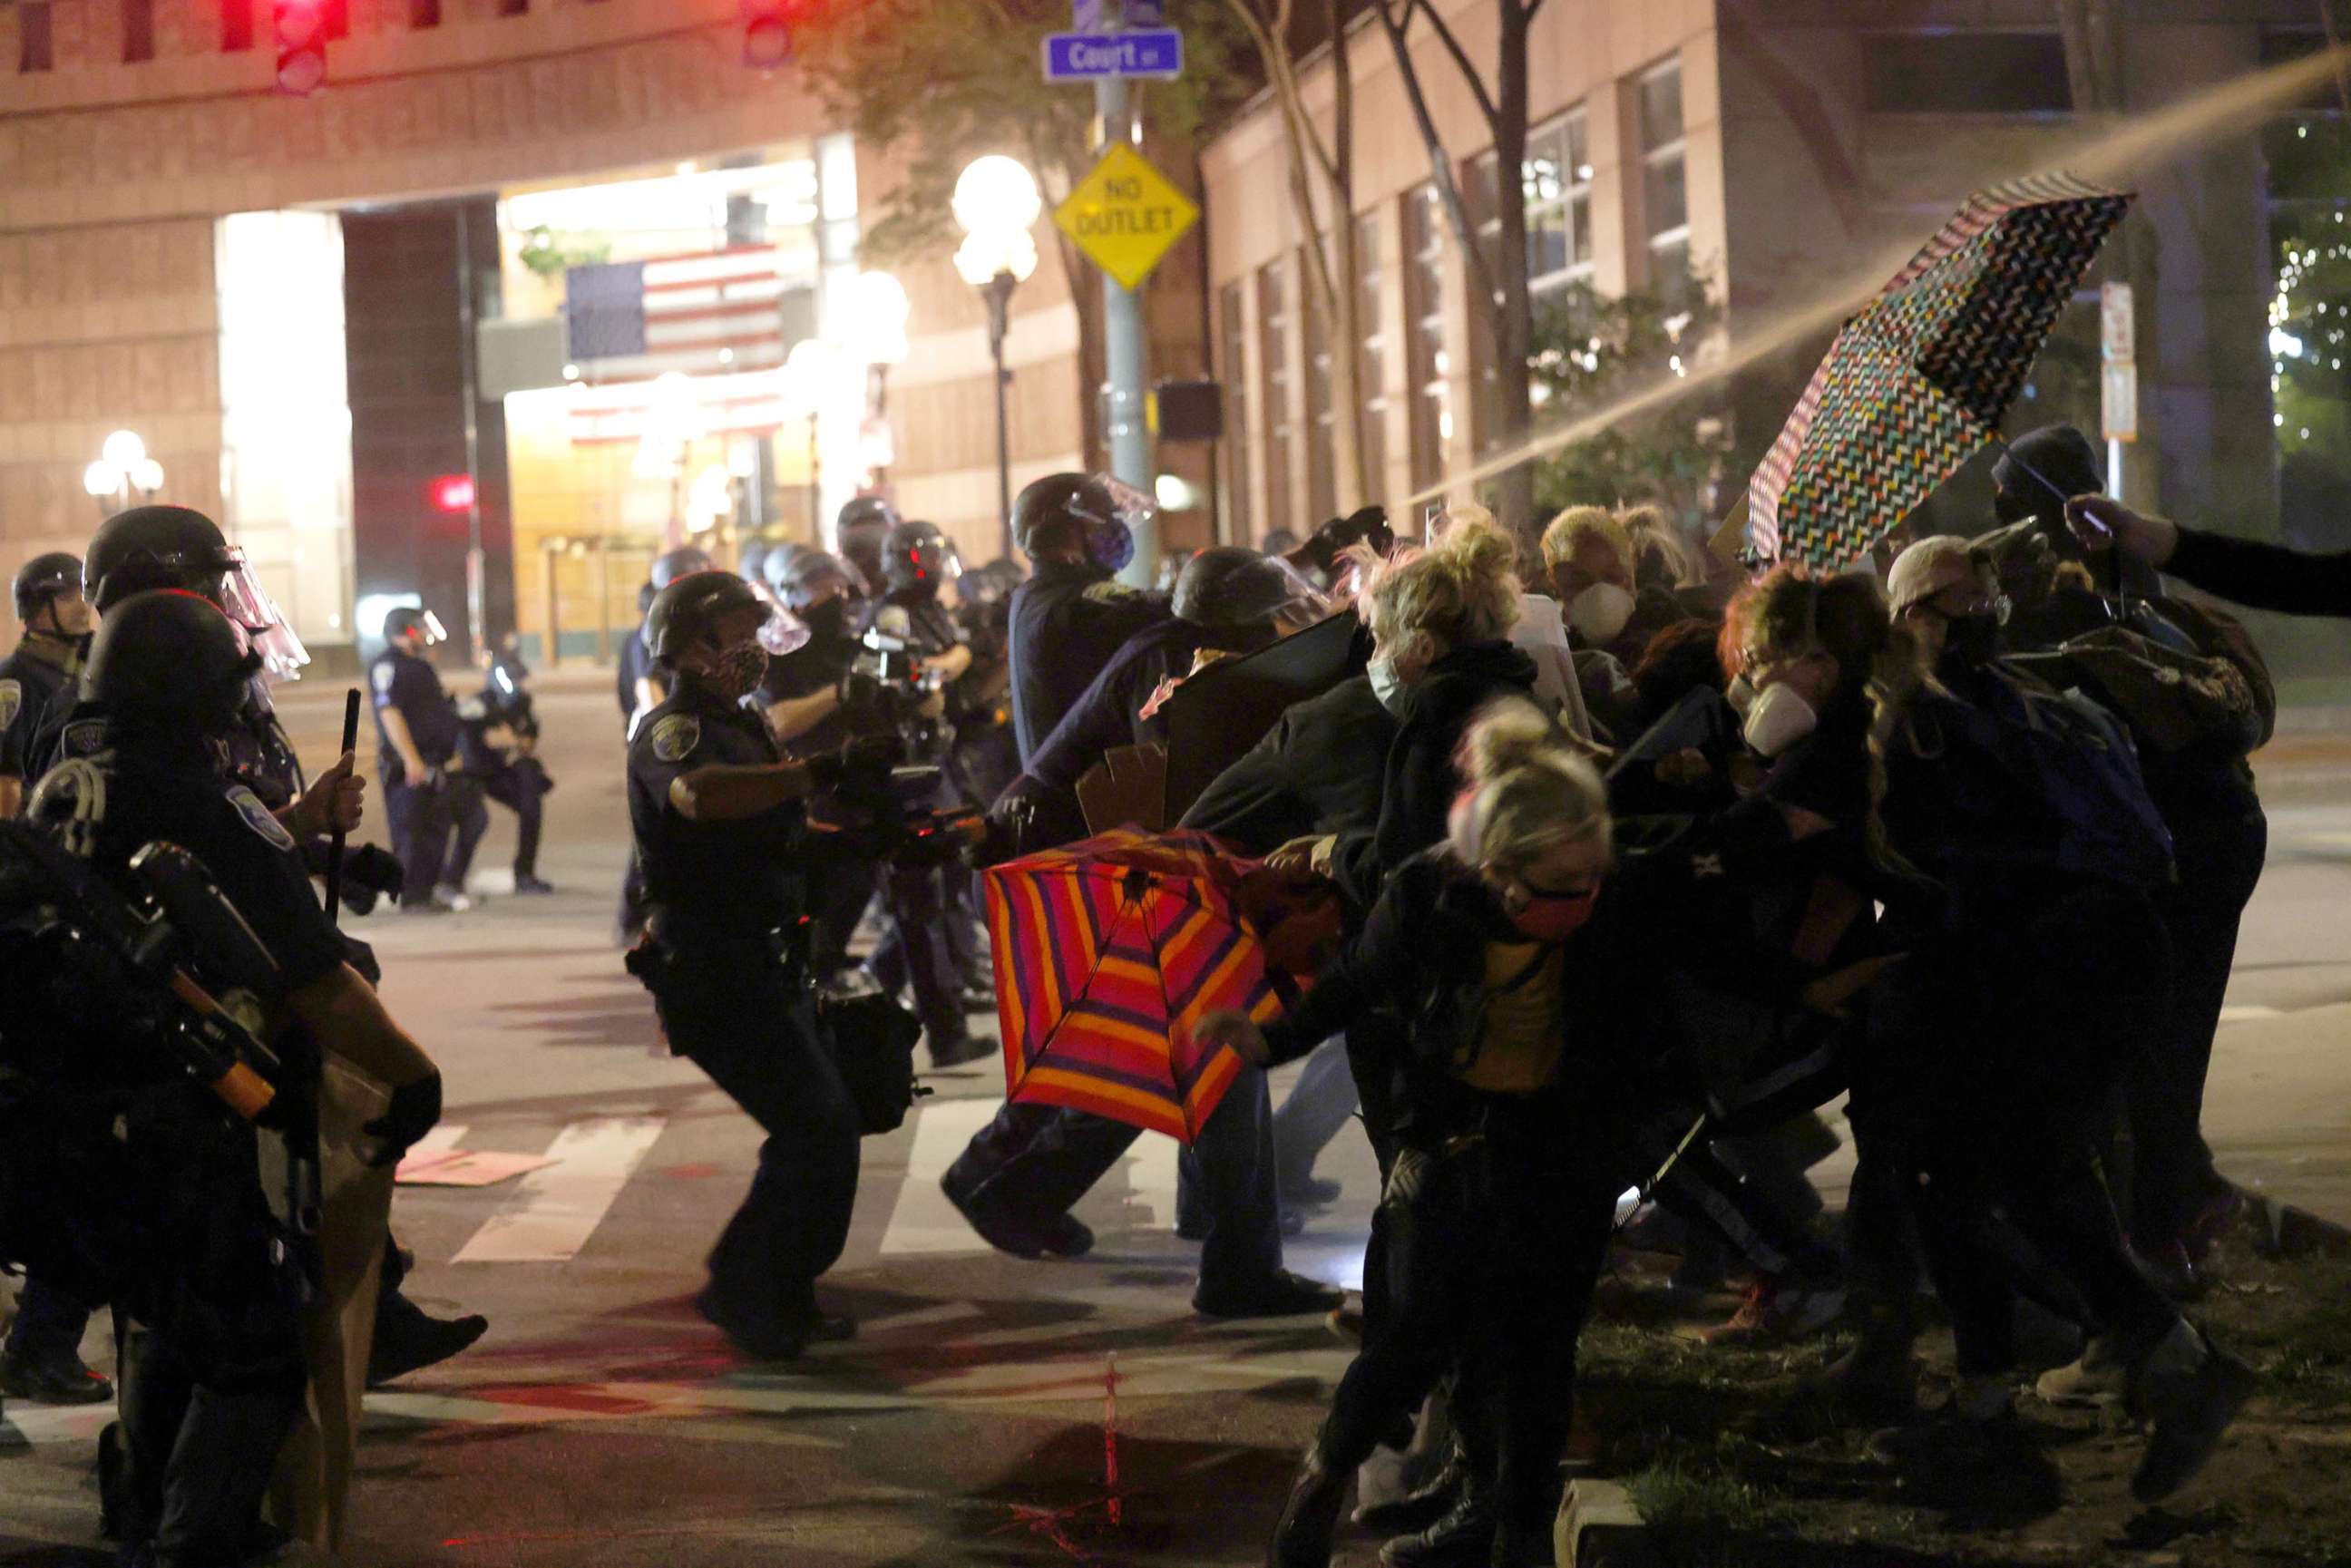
1541,632
1508,1156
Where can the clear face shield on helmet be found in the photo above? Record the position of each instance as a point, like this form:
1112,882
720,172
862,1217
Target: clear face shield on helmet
1116,510
246,602
782,632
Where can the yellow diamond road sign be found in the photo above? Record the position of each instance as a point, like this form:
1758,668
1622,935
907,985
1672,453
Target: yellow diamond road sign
1125,215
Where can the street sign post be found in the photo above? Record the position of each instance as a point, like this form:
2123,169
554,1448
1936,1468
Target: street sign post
1125,215
1148,54
1109,17
2118,378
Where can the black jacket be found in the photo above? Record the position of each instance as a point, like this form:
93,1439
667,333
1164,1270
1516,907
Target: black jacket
1422,952
2266,577
1321,769
1419,782
1068,622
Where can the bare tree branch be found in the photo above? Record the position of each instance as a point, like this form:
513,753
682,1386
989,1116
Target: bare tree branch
1461,58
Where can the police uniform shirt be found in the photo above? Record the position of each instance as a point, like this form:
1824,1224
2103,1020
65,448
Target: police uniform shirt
108,808
400,681
1067,622
29,685
807,670
255,753
635,664
736,877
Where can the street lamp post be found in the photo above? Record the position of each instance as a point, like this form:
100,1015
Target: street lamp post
122,468
997,202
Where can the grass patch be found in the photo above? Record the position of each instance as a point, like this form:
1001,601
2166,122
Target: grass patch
1695,1518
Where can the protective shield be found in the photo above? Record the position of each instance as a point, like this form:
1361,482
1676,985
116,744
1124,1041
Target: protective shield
249,605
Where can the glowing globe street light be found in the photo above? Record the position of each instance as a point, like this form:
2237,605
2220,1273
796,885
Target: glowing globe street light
122,468
997,203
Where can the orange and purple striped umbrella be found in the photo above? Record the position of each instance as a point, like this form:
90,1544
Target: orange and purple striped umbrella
1109,951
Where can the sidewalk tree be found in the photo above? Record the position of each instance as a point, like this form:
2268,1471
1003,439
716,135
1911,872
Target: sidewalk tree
938,82
1323,191
1589,348
1502,97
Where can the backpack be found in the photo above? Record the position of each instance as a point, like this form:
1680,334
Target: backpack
2182,678
2076,800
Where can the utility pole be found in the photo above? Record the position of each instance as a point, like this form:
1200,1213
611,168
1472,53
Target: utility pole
1124,347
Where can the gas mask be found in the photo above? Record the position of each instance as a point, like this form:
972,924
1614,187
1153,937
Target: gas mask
827,622
1599,613
1741,696
1779,718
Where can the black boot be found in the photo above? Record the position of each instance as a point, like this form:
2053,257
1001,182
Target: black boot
1464,1538
1302,1538
1424,1505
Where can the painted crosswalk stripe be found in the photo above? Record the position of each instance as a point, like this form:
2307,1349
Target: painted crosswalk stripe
922,1220
554,1211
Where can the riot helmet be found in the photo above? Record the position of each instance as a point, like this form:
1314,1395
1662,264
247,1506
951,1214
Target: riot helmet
157,546
170,661
1233,589
43,578
690,609
861,531
671,565
403,621
917,555
776,567
1095,512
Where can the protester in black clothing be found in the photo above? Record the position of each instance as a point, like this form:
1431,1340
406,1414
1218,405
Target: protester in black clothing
1020,1174
56,621
2244,571
1506,1111
2013,870
1070,617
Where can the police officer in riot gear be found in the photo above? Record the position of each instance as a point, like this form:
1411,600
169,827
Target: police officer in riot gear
208,1301
417,731
57,620
1070,617
862,534
716,812
499,748
931,932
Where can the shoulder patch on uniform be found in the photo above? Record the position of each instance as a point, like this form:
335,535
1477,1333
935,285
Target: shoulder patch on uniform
383,675
82,737
676,736
1112,592
257,817
891,621
12,702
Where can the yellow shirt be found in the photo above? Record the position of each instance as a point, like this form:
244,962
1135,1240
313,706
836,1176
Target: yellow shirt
1519,1040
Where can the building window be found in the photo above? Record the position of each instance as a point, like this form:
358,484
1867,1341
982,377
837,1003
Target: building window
1557,185
138,31
1966,72
1232,353
1664,193
1274,376
1322,418
1427,366
36,48
1371,355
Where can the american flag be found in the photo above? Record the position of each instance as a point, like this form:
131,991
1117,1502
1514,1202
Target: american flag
753,402
713,312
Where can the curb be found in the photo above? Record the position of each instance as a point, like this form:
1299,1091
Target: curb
1600,1526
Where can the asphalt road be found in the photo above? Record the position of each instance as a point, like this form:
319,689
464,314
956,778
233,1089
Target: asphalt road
601,1422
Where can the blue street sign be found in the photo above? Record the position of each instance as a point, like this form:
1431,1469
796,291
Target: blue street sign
1105,16
1083,57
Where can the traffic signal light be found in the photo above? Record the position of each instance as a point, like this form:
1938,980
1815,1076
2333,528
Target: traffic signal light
301,35
767,33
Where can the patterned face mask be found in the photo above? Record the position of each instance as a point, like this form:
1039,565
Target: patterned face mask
739,669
